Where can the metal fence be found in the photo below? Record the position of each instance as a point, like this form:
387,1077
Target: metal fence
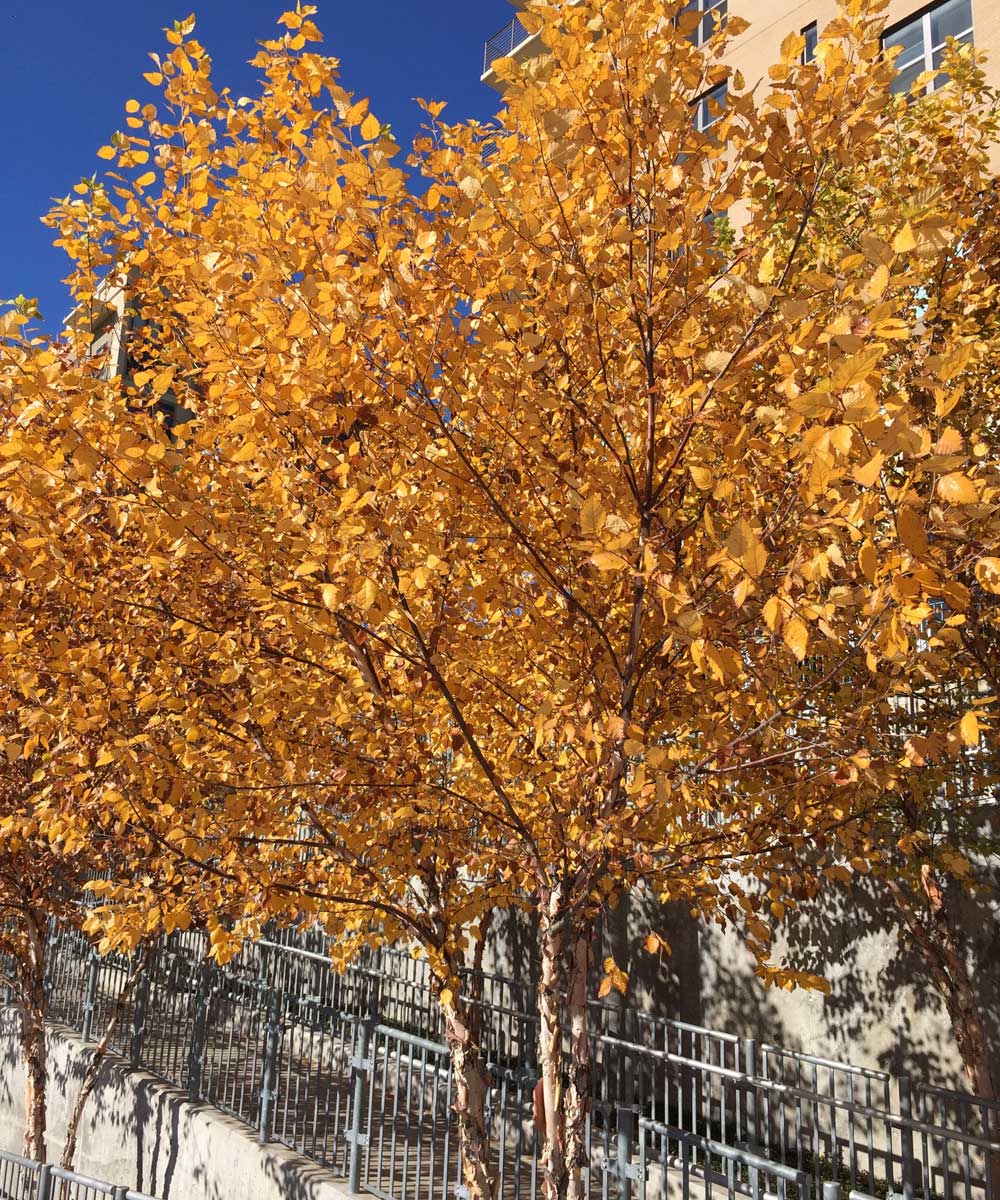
504,42
352,1071
24,1179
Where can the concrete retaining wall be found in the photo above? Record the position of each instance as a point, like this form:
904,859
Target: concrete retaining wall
139,1131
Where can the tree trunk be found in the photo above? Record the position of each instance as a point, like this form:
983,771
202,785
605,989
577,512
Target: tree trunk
565,1085
97,1057
33,1014
940,939
471,1086
578,1089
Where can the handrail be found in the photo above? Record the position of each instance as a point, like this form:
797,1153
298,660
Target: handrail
47,1172
504,42
745,1158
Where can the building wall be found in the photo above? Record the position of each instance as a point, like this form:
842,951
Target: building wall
772,20
882,1012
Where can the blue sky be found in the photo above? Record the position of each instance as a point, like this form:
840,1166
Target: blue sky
67,68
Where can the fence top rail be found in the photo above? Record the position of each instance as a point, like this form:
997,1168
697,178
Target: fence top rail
734,1154
94,1185
929,1089
18,1160
390,1032
698,1064
297,952
827,1063
877,1114
647,1018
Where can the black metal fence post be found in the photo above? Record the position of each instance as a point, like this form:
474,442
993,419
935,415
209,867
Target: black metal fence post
196,1056
268,1083
139,1007
907,1158
750,1096
90,996
360,1066
44,1190
52,941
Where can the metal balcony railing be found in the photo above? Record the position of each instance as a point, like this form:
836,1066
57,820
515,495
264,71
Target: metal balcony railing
504,43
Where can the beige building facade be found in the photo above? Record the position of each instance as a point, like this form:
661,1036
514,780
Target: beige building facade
921,29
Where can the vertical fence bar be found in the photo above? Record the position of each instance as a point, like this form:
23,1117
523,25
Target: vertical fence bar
359,1070
907,1160
139,1007
44,1190
196,1054
90,996
625,1123
269,1074
750,1103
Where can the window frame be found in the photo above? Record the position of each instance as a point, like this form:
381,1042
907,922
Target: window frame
807,57
923,18
703,8
700,102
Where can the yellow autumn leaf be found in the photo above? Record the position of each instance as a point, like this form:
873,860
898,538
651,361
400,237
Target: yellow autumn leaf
969,729
868,475
592,514
988,574
746,548
957,488
703,477
904,241
298,323
868,561
370,128
767,270
911,531
796,637
772,613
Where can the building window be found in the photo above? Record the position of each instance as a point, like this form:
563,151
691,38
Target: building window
709,107
924,40
809,49
712,18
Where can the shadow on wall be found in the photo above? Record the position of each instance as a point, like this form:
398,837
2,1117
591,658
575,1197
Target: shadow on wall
883,1011
10,1059
150,1136
130,1127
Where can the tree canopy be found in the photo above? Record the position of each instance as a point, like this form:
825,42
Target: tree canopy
568,506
